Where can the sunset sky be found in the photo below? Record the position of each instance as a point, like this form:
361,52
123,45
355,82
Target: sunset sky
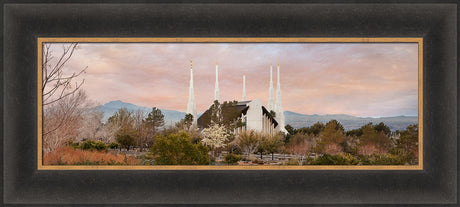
360,79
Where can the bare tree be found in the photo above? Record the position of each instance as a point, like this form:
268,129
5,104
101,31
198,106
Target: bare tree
139,126
63,102
248,141
62,120
301,146
56,84
92,124
107,132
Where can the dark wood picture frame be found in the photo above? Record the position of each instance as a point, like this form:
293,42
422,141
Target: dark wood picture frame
436,23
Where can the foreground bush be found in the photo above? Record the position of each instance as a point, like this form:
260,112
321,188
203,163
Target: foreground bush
113,145
69,156
294,161
146,160
100,146
90,145
383,159
177,149
232,158
338,159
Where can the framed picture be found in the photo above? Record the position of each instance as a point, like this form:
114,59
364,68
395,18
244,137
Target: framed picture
150,55
230,132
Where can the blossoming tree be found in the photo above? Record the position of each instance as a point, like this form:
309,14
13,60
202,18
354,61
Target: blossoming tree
215,137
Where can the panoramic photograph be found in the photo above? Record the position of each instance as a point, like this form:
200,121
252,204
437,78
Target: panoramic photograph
229,104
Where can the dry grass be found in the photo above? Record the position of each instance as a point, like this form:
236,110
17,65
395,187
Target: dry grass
70,156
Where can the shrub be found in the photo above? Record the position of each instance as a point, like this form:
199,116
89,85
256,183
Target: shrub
383,159
88,145
125,140
233,149
408,143
177,149
292,162
74,145
114,145
146,160
257,161
91,145
308,160
100,146
338,159
232,158
407,157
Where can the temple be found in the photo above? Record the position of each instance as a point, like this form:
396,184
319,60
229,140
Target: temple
251,113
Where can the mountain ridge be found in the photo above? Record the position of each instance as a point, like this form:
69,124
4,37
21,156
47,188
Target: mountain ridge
171,116
296,120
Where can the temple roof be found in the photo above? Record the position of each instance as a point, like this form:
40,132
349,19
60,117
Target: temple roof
242,107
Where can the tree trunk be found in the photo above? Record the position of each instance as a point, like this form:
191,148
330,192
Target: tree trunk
142,145
261,156
272,155
140,138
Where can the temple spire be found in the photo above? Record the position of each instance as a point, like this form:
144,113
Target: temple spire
279,113
191,107
244,88
278,91
278,87
216,87
271,98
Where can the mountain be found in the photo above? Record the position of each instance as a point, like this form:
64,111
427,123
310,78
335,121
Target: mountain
297,120
171,116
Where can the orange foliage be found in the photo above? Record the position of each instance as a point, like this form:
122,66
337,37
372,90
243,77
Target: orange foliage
70,156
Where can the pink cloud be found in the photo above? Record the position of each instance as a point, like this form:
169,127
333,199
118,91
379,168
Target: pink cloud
371,79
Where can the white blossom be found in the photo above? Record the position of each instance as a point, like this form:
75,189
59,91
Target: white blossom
215,136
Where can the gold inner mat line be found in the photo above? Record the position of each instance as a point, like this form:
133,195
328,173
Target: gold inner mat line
41,40
236,40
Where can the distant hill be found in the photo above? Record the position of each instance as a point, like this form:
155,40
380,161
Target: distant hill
171,116
294,119
297,120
